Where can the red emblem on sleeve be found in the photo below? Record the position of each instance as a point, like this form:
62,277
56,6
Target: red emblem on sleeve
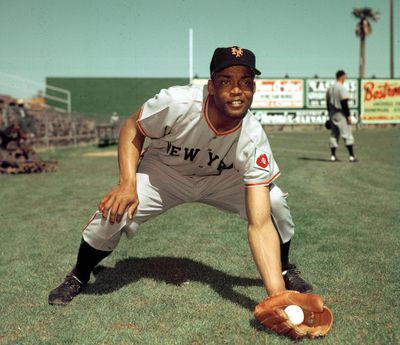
262,161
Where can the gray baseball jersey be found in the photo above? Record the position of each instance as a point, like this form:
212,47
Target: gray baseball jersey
335,94
183,138
188,160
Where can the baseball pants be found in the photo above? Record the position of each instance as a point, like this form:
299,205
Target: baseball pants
340,128
160,187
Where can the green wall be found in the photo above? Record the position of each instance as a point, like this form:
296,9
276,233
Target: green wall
100,97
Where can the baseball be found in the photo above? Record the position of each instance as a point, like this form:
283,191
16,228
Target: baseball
295,314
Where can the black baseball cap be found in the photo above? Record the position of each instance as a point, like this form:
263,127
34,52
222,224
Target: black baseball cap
340,73
232,56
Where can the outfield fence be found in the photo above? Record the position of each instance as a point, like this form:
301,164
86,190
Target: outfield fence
302,101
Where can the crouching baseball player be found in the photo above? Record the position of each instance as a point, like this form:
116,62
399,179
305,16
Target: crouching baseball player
205,147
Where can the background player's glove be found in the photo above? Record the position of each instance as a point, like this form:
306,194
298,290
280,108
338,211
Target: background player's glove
318,319
328,124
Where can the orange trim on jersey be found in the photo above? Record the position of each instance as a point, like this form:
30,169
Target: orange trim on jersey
209,124
139,125
266,183
91,219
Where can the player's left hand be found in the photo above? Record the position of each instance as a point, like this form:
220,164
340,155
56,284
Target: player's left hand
349,121
318,318
120,198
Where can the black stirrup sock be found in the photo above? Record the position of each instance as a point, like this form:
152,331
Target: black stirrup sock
350,149
285,255
88,258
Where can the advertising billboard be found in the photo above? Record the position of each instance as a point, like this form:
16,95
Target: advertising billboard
295,116
380,101
278,93
316,92
303,101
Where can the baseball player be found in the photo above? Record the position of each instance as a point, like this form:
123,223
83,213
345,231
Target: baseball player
205,147
339,116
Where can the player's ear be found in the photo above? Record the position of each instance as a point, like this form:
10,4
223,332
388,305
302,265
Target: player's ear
254,86
210,87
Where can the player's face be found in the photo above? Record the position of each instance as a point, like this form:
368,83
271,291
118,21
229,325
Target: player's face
232,90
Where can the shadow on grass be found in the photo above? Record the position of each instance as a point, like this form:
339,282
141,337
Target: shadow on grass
170,270
315,159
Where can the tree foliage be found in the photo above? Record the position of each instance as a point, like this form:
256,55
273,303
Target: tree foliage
364,15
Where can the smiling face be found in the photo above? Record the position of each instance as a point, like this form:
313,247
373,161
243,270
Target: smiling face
231,92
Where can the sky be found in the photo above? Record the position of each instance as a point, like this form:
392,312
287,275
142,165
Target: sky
147,38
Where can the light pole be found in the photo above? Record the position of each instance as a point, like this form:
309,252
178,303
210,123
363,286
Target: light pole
190,55
391,39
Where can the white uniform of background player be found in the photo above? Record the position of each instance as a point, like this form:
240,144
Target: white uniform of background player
189,161
337,98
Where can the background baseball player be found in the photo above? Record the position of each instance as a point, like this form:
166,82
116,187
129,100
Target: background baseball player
339,116
205,147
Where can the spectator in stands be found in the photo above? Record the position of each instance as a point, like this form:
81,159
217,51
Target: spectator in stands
12,113
2,113
114,119
24,119
21,108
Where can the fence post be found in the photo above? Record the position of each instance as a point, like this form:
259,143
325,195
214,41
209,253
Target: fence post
46,127
74,132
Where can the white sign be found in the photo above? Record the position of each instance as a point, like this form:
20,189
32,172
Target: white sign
278,93
296,117
200,81
316,92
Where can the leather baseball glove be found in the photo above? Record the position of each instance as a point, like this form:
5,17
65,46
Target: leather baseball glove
318,319
328,124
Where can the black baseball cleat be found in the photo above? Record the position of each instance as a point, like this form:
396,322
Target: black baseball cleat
66,291
293,281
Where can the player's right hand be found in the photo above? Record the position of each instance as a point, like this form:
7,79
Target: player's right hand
121,198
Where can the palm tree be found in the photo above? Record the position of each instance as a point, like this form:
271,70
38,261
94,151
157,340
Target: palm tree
363,29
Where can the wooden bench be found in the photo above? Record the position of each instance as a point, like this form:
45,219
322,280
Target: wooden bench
107,134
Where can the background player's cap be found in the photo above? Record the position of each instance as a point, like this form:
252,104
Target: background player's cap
232,56
340,73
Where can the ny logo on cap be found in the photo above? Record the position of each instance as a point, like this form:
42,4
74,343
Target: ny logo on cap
236,51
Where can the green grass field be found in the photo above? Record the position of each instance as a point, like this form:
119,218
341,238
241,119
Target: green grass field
188,277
